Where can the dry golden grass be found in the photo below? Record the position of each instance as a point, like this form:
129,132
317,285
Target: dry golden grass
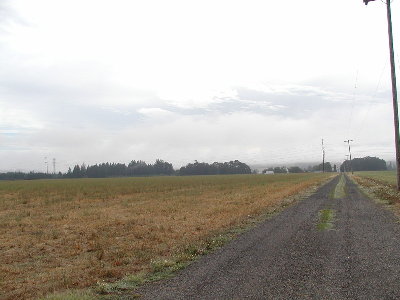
63,234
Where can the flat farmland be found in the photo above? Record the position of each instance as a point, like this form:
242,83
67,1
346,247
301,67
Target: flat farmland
67,234
387,177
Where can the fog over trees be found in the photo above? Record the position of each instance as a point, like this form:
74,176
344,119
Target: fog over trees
297,169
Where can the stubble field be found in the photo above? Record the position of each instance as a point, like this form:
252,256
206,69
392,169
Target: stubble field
67,234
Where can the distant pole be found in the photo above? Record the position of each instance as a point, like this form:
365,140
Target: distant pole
54,166
351,165
47,165
394,89
323,157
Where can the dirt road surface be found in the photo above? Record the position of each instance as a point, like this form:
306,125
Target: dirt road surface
295,256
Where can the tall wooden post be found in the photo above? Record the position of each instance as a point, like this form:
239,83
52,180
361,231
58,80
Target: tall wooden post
394,92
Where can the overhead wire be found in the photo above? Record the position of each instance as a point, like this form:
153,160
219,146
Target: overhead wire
361,127
352,105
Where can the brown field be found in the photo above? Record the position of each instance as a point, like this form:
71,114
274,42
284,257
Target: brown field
67,234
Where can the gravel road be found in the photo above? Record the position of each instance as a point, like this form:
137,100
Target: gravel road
289,257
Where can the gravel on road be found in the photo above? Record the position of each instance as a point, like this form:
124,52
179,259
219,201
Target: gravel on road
291,257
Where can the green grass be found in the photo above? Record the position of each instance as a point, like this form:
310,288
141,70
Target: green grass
388,177
379,185
326,217
340,188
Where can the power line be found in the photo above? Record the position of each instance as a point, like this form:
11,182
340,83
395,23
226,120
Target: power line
351,167
361,127
352,104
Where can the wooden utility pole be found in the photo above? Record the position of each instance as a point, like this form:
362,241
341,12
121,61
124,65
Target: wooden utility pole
394,93
323,157
394,89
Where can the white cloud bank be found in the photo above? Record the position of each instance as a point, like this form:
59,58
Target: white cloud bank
93,81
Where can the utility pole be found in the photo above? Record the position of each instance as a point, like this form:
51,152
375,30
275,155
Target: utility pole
54,166
47,165
323,157
351,165
394,89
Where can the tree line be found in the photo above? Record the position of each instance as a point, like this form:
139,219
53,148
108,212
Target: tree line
135,168
163,168
357,164
25,176
216,168
364,164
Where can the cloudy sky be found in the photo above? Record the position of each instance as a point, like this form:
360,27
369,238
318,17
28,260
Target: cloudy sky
260,81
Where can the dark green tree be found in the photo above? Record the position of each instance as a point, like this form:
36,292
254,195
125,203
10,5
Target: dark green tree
364,164
295,170
327,167
278,170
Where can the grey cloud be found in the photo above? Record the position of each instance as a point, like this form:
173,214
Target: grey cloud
297,102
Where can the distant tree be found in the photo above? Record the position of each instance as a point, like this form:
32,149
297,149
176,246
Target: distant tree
25,176
364,164
231,167
295,170
83,170
280,170
327,167
76,172
134,168
161,167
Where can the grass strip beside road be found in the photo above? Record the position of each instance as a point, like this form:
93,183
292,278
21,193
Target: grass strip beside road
387,178
340,188
60,235
380,185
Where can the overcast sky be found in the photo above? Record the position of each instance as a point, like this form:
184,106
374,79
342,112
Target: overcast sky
89,81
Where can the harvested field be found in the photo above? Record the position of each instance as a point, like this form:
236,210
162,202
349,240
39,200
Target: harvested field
66,234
